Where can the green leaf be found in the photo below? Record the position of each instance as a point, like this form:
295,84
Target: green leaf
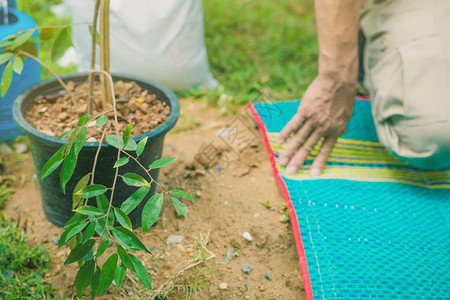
87,257
101,121
141,272
123,219
102,203
53,163
182,194
101,248
76,198
179,206
141,146
4,57
128,239
6,79
133,179
89,211
89,232
79,252
22,39
119,276
127,134
107,274
61,44
102,223
28,47
162,162
121,162
65,134
151,211
67,169
79,142
112,140
92,191
18,65
83,278
125,258
46,33
72,137
71,232
94,283
83,120
77,218
134,200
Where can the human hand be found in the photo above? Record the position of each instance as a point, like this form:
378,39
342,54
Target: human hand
324,112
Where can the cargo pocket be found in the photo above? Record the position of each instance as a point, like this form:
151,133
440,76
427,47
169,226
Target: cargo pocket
425,81
386,85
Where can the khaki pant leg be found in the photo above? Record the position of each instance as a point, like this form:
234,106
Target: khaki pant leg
407,64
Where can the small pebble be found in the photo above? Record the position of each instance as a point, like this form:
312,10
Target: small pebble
91,140
267,276
15,207
229,255
154,268
4,148
223,286
175,239
247,268
247,236
246,287
271,209
55,240
256,215
21,148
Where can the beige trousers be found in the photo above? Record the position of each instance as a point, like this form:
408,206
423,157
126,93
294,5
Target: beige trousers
407,67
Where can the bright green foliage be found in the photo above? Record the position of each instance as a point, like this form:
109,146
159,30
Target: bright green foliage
179,206
151,211
21,265
162,162
134,180
127,134
107,273
141,146
101,121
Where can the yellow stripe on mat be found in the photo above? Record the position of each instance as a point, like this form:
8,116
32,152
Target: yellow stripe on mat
364,161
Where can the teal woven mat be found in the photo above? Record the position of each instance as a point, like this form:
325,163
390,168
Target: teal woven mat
370,227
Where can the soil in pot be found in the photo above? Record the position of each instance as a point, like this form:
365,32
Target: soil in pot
135,105
55,114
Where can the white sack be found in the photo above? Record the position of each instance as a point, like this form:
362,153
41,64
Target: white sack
162,40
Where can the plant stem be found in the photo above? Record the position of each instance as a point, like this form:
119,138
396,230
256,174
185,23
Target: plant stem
96,156
51,71
116,122
90,104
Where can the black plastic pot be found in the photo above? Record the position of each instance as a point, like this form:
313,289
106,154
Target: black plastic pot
57,206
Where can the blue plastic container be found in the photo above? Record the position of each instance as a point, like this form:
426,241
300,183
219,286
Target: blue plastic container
31,74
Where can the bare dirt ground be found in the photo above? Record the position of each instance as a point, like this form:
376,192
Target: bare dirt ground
232,180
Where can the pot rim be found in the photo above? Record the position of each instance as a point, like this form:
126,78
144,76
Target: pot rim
31,131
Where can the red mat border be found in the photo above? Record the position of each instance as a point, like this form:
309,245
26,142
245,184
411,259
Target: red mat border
290,206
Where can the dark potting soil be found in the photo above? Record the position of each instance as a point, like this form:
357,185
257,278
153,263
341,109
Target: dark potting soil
55,114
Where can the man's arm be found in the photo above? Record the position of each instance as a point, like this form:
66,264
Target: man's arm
327,104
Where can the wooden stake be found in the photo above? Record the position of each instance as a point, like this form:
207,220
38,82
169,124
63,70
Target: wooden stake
104,53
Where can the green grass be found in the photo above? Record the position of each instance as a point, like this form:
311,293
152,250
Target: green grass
265,44
252,45
21,265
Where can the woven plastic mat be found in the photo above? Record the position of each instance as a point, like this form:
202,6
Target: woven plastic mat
370,227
